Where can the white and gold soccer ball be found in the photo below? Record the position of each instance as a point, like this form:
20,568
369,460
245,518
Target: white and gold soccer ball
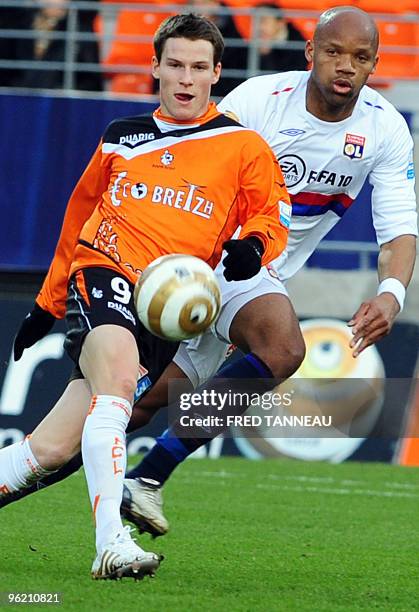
177,297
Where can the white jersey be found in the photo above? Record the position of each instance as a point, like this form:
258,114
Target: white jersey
325,164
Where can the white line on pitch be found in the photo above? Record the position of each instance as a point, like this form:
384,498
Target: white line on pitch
338,491
312,479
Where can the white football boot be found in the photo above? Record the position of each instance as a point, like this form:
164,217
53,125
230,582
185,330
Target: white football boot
142,505
122,557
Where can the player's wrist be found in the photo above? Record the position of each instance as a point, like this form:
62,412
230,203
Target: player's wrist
257,245
395,287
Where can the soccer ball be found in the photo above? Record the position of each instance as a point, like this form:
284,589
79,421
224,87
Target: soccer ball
177,297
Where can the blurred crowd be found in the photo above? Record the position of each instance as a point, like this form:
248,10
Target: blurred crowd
48,25
130,44
113,48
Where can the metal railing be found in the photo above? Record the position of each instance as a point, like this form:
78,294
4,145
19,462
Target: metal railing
365,251
108,11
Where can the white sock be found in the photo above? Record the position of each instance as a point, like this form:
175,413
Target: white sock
19,467
104,458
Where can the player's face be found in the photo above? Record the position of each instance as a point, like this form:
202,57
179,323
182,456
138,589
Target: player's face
343,59
186,72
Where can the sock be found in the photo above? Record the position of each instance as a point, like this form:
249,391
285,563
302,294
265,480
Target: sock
171,449
19,468
104,457
159,463
49,479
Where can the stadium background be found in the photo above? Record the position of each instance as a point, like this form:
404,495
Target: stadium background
47,139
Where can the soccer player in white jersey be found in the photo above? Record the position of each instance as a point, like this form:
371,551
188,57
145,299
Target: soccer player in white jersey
329,131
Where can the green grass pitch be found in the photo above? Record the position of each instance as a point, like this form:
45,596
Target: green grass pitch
245,535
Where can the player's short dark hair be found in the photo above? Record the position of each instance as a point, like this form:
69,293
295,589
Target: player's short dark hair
192,27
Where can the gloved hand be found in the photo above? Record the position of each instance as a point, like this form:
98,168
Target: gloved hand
244,258
35,326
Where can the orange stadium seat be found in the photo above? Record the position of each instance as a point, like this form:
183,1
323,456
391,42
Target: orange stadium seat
307,24
395,33
392,33
304,24
399,64
412,6
378,6
243,22
133,23
304,5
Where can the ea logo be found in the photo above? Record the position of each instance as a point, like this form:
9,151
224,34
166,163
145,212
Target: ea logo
293,168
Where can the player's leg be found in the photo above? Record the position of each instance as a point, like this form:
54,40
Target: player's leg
148,515
265,326
57,438
54,442
156,397
103,342
48,480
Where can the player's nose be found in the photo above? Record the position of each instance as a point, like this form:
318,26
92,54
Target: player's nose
345,63
186,77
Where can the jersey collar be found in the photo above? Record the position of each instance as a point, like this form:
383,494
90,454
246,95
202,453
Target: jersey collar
163,121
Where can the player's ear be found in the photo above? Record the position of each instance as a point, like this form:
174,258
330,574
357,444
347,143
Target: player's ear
376,60
309,51
216,74
155,67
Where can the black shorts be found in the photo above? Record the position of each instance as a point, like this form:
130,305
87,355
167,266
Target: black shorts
100,296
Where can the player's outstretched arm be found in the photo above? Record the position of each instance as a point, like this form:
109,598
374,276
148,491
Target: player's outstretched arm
374,318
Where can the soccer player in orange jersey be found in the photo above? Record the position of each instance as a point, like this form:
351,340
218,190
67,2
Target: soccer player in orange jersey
180,181
338,108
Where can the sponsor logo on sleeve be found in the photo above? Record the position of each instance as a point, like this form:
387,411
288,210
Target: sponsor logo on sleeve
354,146
410,171
285,212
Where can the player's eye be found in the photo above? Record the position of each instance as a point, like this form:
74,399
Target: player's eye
331,52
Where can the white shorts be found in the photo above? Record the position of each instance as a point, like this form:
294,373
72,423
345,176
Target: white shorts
201,357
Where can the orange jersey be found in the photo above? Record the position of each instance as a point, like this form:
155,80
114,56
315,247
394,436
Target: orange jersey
155,187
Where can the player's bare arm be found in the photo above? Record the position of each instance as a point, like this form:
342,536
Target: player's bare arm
374,318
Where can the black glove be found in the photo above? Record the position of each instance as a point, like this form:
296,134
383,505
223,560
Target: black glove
35,326
244,258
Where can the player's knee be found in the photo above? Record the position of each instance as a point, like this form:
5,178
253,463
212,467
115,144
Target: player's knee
116,382
283,361
110,364
52,456
125,387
